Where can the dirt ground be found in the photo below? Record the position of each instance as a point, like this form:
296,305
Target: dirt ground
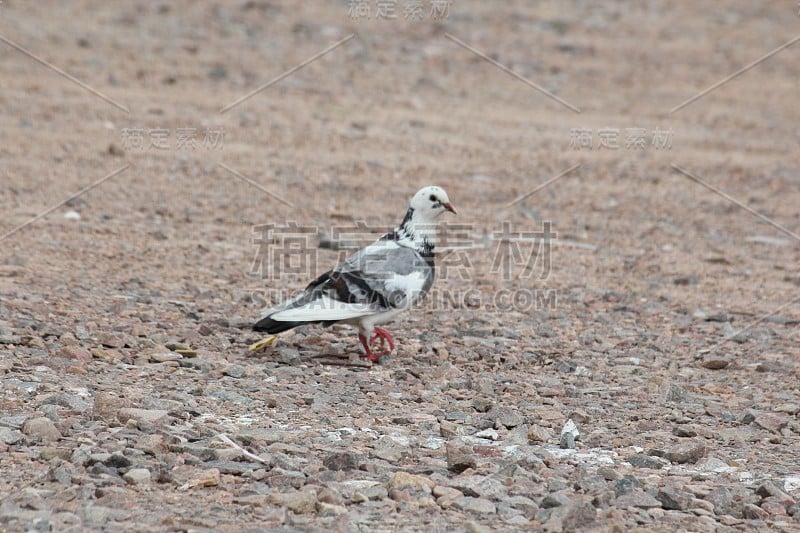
663,320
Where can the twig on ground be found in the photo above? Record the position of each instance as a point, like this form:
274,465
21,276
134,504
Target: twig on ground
226,439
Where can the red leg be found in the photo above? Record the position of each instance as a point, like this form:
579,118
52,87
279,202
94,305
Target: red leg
370,356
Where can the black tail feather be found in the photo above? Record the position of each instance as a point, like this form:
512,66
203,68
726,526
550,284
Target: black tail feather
274,326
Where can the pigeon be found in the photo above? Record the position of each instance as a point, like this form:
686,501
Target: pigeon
373,285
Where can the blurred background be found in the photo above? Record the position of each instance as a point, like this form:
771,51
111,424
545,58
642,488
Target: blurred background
402,103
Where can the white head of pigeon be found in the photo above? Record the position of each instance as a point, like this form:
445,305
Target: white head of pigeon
418,228
431,202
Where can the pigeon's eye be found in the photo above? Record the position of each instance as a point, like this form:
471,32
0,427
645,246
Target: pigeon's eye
432,198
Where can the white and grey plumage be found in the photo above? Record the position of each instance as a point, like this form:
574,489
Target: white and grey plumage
376,283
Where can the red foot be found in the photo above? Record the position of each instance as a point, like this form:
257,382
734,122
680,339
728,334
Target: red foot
385,337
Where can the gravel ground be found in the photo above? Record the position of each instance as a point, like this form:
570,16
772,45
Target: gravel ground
650,384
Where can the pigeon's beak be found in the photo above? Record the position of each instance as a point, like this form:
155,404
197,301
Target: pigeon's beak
450,207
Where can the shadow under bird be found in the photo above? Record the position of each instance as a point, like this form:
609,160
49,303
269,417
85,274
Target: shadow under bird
373,285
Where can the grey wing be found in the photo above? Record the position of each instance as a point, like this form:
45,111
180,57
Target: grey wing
386,274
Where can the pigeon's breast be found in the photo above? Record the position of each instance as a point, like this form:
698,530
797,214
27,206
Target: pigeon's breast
413,285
